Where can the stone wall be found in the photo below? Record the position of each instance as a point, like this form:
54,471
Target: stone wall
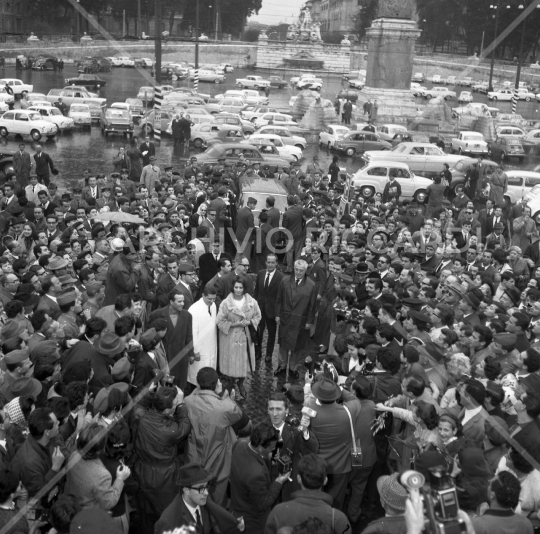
270,54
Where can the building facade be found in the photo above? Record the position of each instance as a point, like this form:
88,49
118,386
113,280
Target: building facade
337,15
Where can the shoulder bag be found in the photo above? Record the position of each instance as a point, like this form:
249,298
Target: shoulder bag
356,450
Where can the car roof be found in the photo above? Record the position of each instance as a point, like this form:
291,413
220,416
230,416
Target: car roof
262,185
389,164
413,143
529,174
468,132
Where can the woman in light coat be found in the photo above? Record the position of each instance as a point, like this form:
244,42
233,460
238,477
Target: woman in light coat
236,349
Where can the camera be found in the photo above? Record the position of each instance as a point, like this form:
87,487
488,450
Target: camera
440,500
284,464
292,420
348,314
168,381
312,365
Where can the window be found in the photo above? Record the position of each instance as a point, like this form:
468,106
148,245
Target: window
418,151
8,116
21,117
377,171
531,181
357,137
515,180
399,173
432,151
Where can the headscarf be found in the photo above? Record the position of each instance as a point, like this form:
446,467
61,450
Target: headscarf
13,410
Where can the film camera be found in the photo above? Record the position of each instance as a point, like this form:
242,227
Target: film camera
348,314
440,500
168,381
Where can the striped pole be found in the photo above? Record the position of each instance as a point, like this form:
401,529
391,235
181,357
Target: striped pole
196,80
158,97
514,100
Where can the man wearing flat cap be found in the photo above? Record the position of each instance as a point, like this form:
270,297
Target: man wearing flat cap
18,365
245,229
194,506
70,306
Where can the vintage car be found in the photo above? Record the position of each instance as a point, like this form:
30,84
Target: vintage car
434,92
511,119
114,120
521,184
250,97
277,81
234,119
88,66
533,136
210,76
87,80
54,115
18,87
80,113
45,63
387,132
332,133
289,152
253,112
410,137
72,95
418,77
467,81
437,78
309,82
267,149
357,83
451,80
505,148
280,119
123,61
285,134
7,98
358,142
465,96
508,94
260,189
232,105
460,168
469,143
254,82
420,157
372,178
477,109
25,122
510,131
203,134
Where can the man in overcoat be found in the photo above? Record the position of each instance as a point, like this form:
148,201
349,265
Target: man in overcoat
295,314
22,165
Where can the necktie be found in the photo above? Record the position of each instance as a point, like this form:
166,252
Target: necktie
209,311
199,522
94,192
267,281
297,282
216,258
33,189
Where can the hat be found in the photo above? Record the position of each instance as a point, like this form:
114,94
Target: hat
252,200
415,304
77,372
117,244
167,168
11,329
326,390
110,343
163,225
456,288
472,300
57,263
70,217
148,336
16,356
47,350
191,474
24,386
496,428
419,316
92,520
428,459
121,368
514,293
388,298
66,279
222,191
506,340
65,196
362,268
185,268
67,298
392,492
498,226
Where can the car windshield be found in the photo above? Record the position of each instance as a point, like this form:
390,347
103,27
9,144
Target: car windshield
79,109
470,137
399,148
214,151
34,116
117,114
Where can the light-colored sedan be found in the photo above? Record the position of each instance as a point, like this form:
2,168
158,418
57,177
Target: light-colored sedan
54,115
469,143
284,150
465,96
280,119
24,122
533,136
372,178
18,87
285,134
232,105
253,112
332,133
510,131
387,132
207,76
80,113
435,92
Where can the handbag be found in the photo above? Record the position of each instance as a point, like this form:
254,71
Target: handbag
253,334
356,451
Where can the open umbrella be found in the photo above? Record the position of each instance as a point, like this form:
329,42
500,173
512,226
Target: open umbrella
119,217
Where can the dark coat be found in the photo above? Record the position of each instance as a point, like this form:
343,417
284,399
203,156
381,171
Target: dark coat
317,273
150,150
222,213
208,266
143,372
177,128
295,306
189,299
22,165
177,342
273,217
164,286
225,284
294,222
215,519
245,223
43,163
266,298
392,191
121,278
253,492
50,306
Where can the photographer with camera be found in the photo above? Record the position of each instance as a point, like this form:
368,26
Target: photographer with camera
295,440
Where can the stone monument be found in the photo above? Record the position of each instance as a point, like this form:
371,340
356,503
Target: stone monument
391,40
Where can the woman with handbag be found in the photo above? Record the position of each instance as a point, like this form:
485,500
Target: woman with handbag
237,319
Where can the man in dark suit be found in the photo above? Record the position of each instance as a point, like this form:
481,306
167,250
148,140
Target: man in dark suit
220,207
43,164
225,284
483,216
185,285
47,206
317,270
92,190
167,282
245,226
472,394
22,164
193,505
178,341
293,222
272,212
266,289
208,262
147,149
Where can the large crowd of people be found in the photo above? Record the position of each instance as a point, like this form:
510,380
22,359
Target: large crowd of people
136,307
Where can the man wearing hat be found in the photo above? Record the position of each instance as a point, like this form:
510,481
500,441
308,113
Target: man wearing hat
18,365
193,505
70,306
245,226
332,427
151,174
147,149
469,305
122,275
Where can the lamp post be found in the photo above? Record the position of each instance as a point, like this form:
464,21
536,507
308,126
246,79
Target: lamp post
196,74
496,8
515,96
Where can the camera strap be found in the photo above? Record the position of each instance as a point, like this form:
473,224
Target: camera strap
352,429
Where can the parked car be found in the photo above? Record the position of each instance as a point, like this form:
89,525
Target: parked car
418,77
45,63
508,94
420,157
88,66
54,115
534,203
18,87
521,184
289,152
504,148
232,151
417,89
439,91
114,120
332,133
77,96
460,168
203,134
234,119
144,62
310,82
104,64
469,143
267,148
124,61
88,80
511,119
25,122
409,137
232,105
358,142
533,136
277,81
451,80
372,178
255,82
207,76
437,79
285,134
481,87
358,83
136,108
510,131
478,109
82,89
280,119
387,132
465,96
253,112
260,189
467,81
80,113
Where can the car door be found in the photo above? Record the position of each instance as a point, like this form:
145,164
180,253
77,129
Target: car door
7,120
356,140
516,184
371,141
22,124
416,158
405,180
433,159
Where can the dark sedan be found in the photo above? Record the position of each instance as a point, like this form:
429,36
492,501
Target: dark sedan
359,142
88,80
504,148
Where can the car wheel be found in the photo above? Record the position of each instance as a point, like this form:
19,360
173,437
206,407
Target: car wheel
503,155
350,152
36,136
490,153
3,132
528,99
216,81
420,196
197,143
458,188
147,129
8,168
299,146
240,86
367,192
494,99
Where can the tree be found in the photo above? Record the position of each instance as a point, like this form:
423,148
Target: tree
367,13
